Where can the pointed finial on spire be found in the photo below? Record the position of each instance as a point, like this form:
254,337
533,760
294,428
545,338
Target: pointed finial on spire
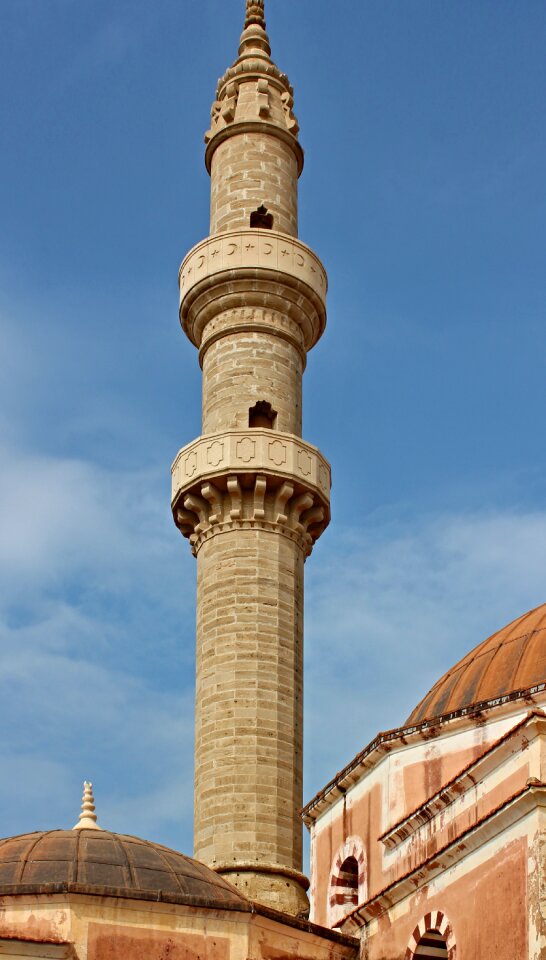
88,817
254,39
255,13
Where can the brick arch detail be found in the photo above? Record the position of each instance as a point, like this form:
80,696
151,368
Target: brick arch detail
433,921
351,847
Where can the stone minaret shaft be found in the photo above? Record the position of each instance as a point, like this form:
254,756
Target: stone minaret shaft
250,494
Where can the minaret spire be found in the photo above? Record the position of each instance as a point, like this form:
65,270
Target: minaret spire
255,13
254,39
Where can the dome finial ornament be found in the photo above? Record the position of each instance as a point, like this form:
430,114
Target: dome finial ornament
88,817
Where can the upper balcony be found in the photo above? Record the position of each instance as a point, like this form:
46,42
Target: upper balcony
246,268
254,478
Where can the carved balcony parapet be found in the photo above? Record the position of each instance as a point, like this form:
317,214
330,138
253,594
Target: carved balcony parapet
253,268
251,479
254,450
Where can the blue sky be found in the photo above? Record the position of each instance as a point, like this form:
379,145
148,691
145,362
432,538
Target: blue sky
423,124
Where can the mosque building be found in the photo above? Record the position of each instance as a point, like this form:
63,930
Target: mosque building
430,842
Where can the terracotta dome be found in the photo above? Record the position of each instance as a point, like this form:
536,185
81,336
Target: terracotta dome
512,659
98,861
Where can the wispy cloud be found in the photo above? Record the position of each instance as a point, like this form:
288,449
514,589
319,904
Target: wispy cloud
97,598
392,605
96,632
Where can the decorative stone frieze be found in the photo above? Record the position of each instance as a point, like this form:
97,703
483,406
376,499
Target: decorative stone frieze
253,479
253,268
253,248
255,450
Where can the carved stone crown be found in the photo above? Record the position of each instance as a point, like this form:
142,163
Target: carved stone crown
268,97
256,479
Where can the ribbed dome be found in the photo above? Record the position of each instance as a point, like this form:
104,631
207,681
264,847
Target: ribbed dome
512,659
99,859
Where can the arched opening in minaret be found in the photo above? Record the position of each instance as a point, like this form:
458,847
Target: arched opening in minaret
262,415
261,219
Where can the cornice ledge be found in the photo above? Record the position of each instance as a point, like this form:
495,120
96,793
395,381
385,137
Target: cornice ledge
389,740
465,780
504,816
58,948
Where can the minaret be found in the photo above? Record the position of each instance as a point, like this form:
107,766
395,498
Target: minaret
249,493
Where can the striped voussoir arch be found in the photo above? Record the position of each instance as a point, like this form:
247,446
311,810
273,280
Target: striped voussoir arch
432,939
347,879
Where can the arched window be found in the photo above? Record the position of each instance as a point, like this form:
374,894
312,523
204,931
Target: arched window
262,414
432,939
345,884
432,946
261,218
348,886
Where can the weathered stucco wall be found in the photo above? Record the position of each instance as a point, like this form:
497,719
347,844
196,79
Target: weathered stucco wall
108,928
416,800
485,898
387,792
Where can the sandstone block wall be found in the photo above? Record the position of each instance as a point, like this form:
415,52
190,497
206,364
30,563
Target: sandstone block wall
244,368
247,170
249,699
